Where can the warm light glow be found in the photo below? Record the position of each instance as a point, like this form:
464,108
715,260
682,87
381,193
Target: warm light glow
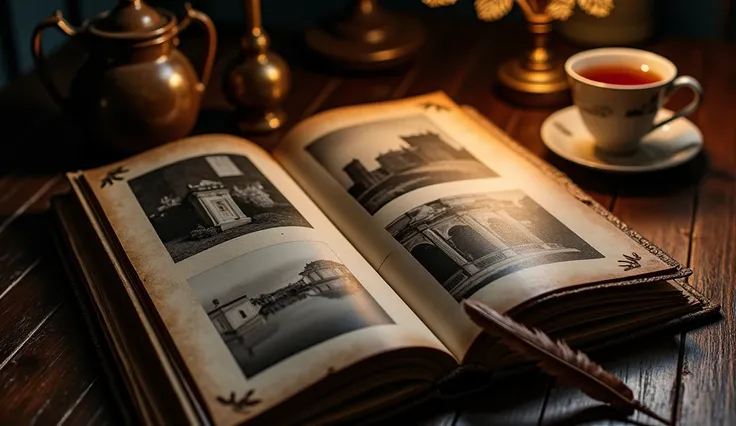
645,68
272,74
274,122
175,80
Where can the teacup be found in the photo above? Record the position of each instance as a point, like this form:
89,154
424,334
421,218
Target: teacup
619,92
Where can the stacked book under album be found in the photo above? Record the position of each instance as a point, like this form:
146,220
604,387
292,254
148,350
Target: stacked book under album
322,282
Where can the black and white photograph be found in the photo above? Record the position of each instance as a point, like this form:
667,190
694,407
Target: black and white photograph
278,301
380,161
467,242
198,203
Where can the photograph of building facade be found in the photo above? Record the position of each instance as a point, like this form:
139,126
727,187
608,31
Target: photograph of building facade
380,161
215,205
291,305
198,203
319,278
467,242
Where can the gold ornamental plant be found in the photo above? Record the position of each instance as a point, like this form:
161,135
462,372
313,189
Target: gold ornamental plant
535,78
492,10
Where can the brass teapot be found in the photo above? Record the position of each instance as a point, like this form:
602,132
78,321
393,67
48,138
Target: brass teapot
136,89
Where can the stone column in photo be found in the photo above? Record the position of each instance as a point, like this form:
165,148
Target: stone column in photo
438,241
486,233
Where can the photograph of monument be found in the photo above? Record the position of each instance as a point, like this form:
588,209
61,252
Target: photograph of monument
466,242
380,161
198,203
278,301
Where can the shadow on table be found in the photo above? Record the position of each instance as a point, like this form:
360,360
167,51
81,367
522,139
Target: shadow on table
44,146
648,366
645,184
597,414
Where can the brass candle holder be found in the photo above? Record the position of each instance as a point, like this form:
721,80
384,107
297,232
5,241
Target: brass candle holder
259,79
538,77
369,38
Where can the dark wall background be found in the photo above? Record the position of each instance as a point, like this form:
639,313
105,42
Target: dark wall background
702,19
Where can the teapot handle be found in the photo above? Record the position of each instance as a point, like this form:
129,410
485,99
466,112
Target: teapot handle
56,21
196,15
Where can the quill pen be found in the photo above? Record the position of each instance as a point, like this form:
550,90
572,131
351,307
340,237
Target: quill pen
557,359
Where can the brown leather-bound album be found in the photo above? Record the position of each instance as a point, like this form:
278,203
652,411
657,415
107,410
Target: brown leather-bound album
322,282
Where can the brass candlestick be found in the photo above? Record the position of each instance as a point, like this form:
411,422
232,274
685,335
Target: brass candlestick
537,78
370,38
258,80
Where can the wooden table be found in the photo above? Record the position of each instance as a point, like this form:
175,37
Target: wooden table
48,370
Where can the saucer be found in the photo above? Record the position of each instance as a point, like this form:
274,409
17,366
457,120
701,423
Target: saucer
670,145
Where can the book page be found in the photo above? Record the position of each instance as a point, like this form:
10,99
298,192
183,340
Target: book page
444,211
258,290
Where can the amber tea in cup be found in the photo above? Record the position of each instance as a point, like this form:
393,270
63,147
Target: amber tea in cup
619,91
621,75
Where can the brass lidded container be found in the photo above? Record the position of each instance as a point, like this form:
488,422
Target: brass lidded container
136,90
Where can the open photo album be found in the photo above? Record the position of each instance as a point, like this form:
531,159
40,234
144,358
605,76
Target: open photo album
322,282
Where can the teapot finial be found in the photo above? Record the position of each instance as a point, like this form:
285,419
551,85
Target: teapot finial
131,16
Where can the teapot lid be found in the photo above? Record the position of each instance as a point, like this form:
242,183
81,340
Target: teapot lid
133,17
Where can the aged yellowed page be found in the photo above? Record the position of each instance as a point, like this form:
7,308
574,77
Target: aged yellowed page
445,212
257,288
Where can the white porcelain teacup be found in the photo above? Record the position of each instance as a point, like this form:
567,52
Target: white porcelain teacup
620,114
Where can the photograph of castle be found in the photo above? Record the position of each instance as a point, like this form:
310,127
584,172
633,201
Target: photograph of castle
466,242
198,203
380,161
273,303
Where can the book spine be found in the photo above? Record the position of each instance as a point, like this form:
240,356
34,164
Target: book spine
116,385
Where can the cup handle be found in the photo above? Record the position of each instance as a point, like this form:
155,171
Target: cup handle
681,82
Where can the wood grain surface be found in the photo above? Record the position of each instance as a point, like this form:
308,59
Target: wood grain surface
48,370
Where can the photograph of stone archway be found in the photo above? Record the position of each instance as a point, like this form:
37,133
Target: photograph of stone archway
468,241
201,202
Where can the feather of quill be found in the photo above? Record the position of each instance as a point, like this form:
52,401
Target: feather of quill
557,359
